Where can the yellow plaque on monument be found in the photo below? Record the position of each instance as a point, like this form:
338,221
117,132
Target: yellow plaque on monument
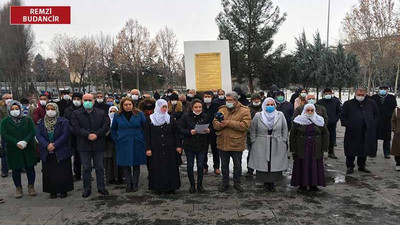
208,71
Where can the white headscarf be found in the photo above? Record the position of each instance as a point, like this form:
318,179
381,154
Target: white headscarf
268,118
158,118
111,116
304,120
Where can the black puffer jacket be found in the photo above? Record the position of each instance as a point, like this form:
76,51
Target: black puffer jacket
197,142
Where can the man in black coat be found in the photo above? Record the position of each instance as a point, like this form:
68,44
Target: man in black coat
211,108
242,96
360,117
76,104
285,107
333,108
272,93
386,104
90,126
100,104
65,102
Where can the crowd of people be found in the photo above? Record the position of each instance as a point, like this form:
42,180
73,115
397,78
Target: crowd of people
116,136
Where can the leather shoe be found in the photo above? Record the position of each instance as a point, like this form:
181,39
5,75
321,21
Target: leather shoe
192,189
4,174
332,156
200,188
103,192
63,195
350,171
86,194
363,169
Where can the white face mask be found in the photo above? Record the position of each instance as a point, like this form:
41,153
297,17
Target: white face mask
309,115
215,93
111,115
15,113
128,95
311,101
8,101
360,98
51,113
221,97
100,100
190,95
135,97
229,105
43,103
195,113
77,103
174,102
256,103
67,97
303,95
207,100
169,94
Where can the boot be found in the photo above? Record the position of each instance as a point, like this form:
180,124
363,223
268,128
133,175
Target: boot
18,192
266,186
272,187
192,188
31,190
200,187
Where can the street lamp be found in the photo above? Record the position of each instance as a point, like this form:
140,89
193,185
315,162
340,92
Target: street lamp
329,14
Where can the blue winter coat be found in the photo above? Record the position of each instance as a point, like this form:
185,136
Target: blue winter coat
62,134
128,137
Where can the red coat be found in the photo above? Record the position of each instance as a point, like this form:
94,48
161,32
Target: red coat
39,113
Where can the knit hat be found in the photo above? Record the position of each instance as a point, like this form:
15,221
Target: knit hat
255,96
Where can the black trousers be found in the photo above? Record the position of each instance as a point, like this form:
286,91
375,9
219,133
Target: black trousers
332,137
360,161
212,140
397,159
132,175
237,166
77,163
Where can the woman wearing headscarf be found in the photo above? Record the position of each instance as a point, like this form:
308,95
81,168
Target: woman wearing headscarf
269,135
112,171
309,138
53,133
18,131
163,146
127,133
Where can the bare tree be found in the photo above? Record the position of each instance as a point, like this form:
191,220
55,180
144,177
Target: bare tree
167,46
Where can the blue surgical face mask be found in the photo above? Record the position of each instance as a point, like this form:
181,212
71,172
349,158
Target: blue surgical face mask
270,109
311,101
229,105
110,103
382,92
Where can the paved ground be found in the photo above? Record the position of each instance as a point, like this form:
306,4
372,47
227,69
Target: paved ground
356,199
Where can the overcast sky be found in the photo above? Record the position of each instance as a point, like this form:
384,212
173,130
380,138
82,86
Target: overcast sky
190,19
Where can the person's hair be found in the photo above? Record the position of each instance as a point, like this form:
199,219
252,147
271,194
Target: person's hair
99,93
362,89
280,93
135,110
194,102
261,93
233,94
327,90
208,93
220,90
24,101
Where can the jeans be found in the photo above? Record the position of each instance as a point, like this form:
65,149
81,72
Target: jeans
237,166
77,163
132,175
249,170
386,148
332,137
212,139
199,155
30,173
86,159
360,161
